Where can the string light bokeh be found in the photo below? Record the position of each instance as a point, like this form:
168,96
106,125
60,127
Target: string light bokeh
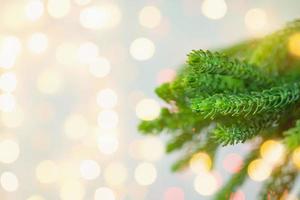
76,77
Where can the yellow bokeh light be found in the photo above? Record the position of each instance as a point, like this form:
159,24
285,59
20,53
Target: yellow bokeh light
35,197
9,181
214,9
147,152
205,184
259,170
256,20
108,119
47,171
10,48
72,190
115,174
34,10
107,143
150,17
9,151
8,82
37,43
50,81
12,119
142,49
58,8
104,193
272,152
107,98
89,169
296,157
294,44
145,173
200,162
68,170
87,52
97,17
100,67
147,109
66,54
82,2
76,126
7,102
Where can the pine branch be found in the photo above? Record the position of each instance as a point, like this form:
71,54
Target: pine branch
292,136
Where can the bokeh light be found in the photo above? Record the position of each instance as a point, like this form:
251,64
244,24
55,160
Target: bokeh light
37,43
233,162
147,109
82,2
76,126
108,119
142,49
34,9
100,67
200,162
150,17
115,174
10,48
12,119
7,102
35,197
72,189
145,173
214,9
58,8
272,152
9,151
259,170
294,44
205,184
296,157
87,52
256,20
146,150
174,193
89,169
107,98
50,81
9,181
104,193
8,82
47,171
107,143
66,54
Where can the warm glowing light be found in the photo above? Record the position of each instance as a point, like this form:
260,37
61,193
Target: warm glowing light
58,8
37,43
294,44
205,184
259,170
147,109
146,150
9,181
87,52
10,47
66,53
145,174
76,126
89,169
49,81
107,98
166,76
272,152
72,189
200,162
108,119
47,171
7,102
82,2
256,20
115,174
107,143
296,157
142,49
35,197
104,193
100,67
9,151
174,193
150,17
97,17
12,119
8,82
214,9
34,10
233,162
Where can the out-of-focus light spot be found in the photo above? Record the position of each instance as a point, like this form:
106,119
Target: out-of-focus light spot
34,10
9,151
146,150
87,52
100,67
10,47
13,15
142,49
107,143
76,126
66,53
49,81
115,174
296,157
104,193
145,174
272,152
294,44
200,162
82,2
107,98
47,171
165,76
37,43
233,162
35,197
8,82
9,181
12,119
214,9
147,109
108,119
68,170
97,17
239,195
7,102
89,169
58,8
174,193
256,20
72,189
259,170
150,17
205,184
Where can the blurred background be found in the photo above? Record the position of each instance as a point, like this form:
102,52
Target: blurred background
76,76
